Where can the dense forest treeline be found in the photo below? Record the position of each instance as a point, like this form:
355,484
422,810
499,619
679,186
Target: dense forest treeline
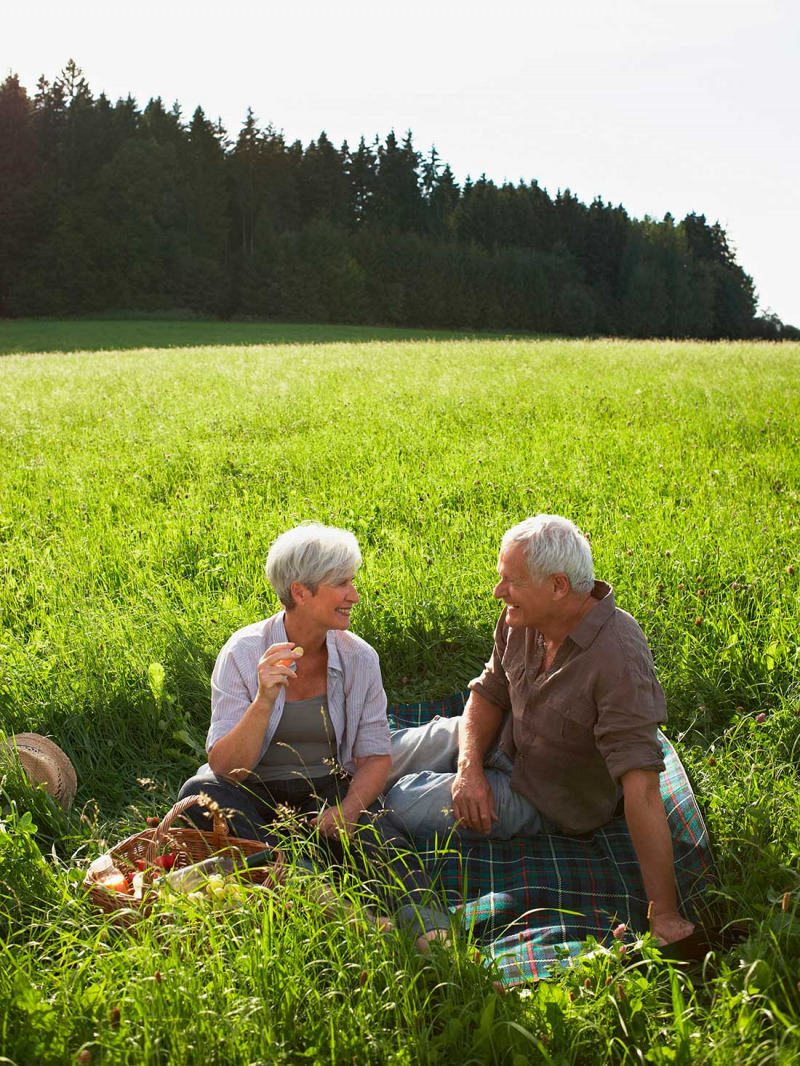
109,207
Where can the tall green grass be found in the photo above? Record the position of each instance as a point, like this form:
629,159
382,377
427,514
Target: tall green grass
140,490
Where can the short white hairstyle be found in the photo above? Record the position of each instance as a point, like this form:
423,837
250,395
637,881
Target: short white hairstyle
554,545
311,554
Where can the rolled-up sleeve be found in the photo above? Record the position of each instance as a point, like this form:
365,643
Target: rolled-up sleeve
230,696
630,706
492,684
372,735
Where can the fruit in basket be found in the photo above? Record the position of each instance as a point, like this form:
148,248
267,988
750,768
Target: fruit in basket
166,861
216,888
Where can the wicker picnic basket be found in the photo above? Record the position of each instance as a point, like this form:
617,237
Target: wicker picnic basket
188,845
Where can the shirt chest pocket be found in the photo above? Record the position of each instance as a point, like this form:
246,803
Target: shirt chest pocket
576,720
517,684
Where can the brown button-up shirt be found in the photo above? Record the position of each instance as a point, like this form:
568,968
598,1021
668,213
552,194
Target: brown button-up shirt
574,730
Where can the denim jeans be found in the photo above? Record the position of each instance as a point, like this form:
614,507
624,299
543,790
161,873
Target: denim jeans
382,857
420,801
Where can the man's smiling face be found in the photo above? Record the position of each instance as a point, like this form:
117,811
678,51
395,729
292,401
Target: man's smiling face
529,602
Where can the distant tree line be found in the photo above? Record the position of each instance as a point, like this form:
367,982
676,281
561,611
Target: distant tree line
111,207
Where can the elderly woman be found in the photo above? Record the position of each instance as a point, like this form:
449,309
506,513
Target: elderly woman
299,719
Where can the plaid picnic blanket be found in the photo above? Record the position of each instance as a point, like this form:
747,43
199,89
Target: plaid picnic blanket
535,901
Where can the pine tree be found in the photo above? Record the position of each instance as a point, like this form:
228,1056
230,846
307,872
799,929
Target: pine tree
18,216
397,201
442,203
324,185
363,174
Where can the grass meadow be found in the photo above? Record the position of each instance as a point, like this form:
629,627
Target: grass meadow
144,470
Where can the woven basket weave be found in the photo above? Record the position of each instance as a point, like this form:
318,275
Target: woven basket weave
188,845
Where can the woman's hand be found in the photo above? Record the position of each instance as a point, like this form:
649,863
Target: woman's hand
335,822
274,670
366,785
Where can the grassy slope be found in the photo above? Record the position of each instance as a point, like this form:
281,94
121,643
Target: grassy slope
141,489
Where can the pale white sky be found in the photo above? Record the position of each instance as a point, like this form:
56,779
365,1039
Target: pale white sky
661,105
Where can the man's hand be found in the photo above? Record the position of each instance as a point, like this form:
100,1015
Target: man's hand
473,800
647,822
667,928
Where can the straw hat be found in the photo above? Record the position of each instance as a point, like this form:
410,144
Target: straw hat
45,764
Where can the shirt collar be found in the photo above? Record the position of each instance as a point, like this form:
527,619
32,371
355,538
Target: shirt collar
334,662
590,625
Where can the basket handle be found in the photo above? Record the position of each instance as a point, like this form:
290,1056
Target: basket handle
219,832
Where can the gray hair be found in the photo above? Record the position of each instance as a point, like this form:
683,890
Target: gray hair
311,554
554,545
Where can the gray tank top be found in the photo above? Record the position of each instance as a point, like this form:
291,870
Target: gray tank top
304,744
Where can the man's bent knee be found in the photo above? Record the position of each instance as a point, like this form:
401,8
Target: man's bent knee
422,804
433,746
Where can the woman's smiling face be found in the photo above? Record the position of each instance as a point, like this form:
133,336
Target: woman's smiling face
331,604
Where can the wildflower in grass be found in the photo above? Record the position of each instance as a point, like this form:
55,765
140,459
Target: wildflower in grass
668,553
84,1058
115,1017
698,621
158,977
712,761
790,570
761,717
620,931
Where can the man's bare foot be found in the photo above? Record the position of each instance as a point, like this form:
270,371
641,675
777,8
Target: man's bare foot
383,925
423,943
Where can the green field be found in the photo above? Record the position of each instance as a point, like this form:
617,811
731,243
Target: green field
140,490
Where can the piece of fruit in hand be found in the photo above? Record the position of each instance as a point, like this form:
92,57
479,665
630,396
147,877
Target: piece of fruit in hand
290,662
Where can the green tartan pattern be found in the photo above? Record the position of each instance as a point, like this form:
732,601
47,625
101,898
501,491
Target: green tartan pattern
534,902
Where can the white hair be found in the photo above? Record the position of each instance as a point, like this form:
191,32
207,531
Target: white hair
554,545
311,554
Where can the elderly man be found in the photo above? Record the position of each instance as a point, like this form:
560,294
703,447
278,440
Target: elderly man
559,732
